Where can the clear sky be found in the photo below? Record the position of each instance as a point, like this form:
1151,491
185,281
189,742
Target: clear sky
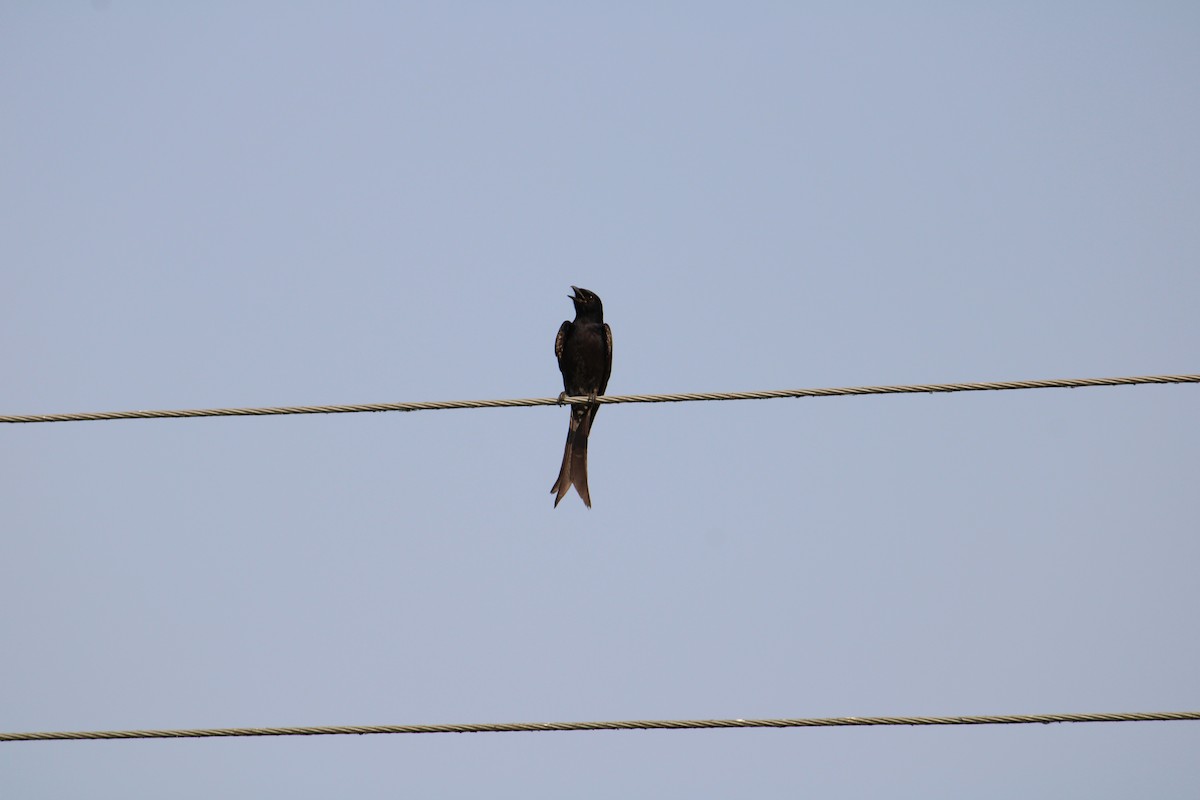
283,203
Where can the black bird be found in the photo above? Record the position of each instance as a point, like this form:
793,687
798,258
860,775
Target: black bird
584,351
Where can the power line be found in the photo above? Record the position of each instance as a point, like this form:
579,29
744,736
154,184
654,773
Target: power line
930,388
541,727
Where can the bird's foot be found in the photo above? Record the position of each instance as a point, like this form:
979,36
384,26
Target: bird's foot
562,398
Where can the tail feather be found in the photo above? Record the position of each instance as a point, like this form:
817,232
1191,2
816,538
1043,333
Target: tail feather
563,483
579,459
573,471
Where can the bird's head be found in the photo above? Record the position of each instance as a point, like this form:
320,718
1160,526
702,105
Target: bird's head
586,302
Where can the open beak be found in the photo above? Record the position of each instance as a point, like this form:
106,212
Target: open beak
575,296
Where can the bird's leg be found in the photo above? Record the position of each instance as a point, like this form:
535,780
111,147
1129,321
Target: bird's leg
562,397
592,399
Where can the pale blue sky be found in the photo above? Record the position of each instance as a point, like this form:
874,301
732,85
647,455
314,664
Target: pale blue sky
228,204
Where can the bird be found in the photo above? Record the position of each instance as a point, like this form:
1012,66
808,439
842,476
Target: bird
584,351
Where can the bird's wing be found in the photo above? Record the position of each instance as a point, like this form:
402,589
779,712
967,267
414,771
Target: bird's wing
607,358
560,342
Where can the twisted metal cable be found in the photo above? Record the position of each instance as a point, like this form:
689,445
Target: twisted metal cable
930,388
677,724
